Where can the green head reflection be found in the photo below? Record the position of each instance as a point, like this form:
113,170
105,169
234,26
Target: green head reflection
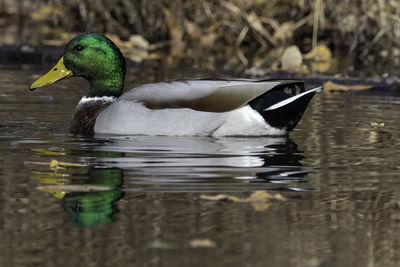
95,207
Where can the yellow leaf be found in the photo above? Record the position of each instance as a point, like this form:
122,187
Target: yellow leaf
48,152
53,180
57,193
50,174
53,163
67,164
56,165
331,86
215,197
233,198
326,66
321,53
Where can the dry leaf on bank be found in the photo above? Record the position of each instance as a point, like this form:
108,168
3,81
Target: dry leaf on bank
202,243
331,86
321,53
320,58
377,124
291,58
139,42
136,49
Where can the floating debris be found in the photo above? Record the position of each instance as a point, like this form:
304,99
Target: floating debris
260,199
202,243
377,124
332,87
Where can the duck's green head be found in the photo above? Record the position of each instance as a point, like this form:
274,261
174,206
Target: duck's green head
94,57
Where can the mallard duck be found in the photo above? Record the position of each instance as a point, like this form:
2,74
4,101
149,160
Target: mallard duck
203,107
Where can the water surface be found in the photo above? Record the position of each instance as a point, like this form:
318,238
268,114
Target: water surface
136,201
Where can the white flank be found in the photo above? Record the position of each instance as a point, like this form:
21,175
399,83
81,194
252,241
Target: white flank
132,118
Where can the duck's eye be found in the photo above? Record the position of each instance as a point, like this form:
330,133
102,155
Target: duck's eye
79,48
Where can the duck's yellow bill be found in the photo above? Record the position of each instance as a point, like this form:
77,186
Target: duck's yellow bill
58,72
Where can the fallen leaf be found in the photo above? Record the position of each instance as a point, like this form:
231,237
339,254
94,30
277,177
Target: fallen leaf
291,58
139,42
202,243
321,53
331,86
377,124
220,197
136,49
215,197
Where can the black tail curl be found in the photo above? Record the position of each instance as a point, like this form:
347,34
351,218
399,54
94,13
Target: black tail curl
283,106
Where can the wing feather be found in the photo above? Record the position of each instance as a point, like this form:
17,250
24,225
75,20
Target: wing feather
201,95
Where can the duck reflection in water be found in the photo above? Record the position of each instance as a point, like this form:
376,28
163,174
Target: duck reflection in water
95,207
172,164
88,198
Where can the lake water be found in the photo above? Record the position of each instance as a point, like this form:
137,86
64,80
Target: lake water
139,200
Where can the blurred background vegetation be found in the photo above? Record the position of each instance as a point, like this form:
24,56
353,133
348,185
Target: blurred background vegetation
254,36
